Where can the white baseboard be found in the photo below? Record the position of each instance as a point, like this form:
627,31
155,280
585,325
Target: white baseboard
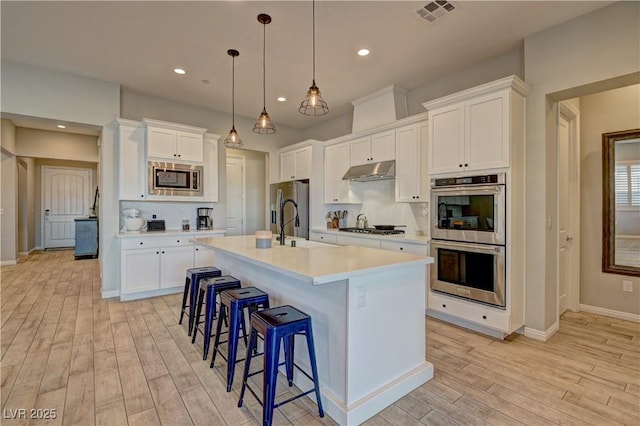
542,335
8,262
610,313
110,294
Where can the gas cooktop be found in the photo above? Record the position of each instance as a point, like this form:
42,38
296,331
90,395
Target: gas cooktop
372,231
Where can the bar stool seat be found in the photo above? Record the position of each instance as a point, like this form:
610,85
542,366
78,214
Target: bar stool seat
232,305
191,282
278,324
209,289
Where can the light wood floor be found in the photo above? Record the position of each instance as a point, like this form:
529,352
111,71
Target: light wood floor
106,362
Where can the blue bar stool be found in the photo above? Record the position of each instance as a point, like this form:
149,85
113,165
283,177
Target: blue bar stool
235,302
276,324
208,291
191,282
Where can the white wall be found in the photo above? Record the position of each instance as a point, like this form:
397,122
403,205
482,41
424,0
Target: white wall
581,53
603,112
37,92
56,145
8,195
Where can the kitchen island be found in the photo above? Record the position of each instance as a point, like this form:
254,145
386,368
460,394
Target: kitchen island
367,308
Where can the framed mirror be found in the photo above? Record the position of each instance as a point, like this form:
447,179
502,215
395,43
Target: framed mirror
621,202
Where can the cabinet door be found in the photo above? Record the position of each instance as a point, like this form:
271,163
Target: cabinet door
161,143
302,162
173,265
336,162
189,147
408,164
383,146
446,142
140,270
360,151
287,166
202,256
417,249
487,131
210,169
131,163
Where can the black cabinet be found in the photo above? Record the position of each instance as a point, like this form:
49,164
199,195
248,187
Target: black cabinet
86,238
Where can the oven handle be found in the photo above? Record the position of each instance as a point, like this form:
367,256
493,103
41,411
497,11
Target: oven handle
459,189
478,247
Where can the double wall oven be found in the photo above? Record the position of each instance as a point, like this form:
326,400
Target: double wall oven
468,237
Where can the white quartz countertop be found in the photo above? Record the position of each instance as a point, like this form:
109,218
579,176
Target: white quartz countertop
311,261
171,232
403,238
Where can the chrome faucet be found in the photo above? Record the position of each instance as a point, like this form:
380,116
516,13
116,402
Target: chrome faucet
283,202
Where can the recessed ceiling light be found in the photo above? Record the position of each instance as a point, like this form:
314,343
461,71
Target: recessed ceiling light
61,126
363,52
281,99
179,71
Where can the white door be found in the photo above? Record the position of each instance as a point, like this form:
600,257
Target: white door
568,210
235,195
66,196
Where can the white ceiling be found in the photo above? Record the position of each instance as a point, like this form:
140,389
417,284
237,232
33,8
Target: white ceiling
138,44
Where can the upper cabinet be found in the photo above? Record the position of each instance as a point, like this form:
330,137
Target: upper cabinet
336,163
411,145
211,167
472,130
131,161
176,142
295,164
373,148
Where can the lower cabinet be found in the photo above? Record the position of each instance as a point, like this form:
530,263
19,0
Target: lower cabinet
139,270
202,256
174,261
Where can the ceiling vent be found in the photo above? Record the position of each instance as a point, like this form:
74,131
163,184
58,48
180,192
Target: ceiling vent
436,9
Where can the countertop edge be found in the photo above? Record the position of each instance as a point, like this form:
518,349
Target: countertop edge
171,233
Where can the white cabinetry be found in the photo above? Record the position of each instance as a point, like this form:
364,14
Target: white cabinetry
373,148
202,256
211,167
343,240
411,144
174,261
472,130
417,249
170,141
323,238
336,164
131,160
295,164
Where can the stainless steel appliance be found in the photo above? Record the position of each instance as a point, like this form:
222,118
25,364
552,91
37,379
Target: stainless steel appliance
372,231
298,191
471,271
468,237
205,220
155,225
471,208
171,179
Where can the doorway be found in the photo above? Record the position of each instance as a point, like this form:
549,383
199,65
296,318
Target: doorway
66,196
568,202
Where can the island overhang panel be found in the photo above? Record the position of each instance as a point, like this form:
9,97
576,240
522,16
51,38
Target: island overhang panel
368,313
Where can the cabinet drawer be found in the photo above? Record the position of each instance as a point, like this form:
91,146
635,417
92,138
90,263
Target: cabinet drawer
417,249
149,242
324,238
479,314
358,241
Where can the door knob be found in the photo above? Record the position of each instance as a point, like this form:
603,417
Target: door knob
569,239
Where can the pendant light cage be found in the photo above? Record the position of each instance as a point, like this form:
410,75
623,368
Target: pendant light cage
264,125
233,140
313,104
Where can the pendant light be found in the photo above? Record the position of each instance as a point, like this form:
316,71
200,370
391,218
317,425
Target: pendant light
264,124
233,140
313,103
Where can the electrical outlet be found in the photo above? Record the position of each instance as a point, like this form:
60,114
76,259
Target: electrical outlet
627,286
362,297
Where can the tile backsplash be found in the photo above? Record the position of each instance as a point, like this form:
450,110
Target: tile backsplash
172,213
380,208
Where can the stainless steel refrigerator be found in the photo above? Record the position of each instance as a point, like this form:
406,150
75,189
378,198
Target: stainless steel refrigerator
298,191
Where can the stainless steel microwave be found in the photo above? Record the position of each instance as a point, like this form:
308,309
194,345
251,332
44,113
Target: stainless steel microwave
171,179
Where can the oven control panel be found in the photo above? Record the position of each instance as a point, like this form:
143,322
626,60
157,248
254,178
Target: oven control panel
469,180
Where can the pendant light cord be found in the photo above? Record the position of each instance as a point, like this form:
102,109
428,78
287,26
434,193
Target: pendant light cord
233,92
313,19
264,68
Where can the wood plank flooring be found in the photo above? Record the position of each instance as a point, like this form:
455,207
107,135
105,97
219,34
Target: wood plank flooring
108,362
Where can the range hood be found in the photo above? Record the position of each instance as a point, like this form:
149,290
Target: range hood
371,171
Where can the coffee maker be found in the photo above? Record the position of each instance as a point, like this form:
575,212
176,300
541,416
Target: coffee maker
204,218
